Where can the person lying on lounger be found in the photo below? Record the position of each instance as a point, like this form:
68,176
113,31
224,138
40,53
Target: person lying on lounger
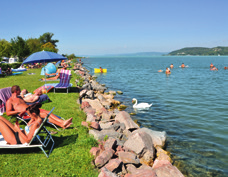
16,105
13,134
32,97
57,74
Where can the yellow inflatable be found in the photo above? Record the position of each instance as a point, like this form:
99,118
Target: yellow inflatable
97,70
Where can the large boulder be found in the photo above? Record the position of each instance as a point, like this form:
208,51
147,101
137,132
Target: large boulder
106,173
95,104
128,157
140,143
159,138
124,117
114,165
164,168
96,86
100,135
104,157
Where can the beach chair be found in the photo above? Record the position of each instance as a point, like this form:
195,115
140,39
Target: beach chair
44,144
64,82
25,117
5,94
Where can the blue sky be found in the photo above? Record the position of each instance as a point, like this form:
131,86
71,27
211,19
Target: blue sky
95,27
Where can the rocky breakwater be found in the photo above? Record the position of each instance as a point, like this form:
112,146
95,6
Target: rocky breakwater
124,149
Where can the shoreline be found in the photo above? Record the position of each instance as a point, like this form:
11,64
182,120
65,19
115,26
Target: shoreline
124,148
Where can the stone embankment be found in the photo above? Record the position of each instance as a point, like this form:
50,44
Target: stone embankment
124,149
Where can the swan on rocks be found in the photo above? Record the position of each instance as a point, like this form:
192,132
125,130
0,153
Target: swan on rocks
140,105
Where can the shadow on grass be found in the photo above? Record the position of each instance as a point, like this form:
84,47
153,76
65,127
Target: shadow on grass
70,90
59,142
65,140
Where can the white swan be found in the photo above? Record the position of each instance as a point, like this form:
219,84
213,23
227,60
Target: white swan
140,105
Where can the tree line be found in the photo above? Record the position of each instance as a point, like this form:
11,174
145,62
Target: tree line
22,48
201,51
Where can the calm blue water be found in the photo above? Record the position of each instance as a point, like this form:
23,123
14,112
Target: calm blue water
190,105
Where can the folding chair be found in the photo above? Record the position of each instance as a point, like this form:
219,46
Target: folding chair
25,117
42,144
64,82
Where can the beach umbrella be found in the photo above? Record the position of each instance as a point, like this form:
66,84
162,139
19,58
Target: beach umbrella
43,57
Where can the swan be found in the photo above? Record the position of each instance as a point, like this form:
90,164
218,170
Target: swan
140,105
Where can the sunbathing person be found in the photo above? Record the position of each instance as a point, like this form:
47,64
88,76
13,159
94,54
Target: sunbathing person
13,134
16,105
57,74
33,97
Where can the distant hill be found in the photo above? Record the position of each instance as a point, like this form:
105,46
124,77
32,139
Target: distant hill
201,51
139,54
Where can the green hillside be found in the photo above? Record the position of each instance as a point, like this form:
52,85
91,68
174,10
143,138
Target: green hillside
201,51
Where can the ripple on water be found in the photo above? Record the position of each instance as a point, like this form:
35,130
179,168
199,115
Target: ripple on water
190,105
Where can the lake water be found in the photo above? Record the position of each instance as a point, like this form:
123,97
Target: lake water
190,105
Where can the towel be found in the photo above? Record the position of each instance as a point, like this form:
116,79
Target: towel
5,94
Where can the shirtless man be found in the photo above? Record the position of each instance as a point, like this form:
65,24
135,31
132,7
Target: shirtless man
16,105
171,66
182,66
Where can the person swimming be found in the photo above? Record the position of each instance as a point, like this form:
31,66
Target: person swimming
182,66
211,65
101,70
171,66
167,71
214,68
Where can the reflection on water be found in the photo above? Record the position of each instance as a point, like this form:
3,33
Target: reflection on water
190,104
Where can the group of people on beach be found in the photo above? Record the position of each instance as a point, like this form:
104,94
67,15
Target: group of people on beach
16,105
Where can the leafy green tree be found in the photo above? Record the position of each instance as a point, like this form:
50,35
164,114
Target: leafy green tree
49,47
19,48
34,45
5,48
71,56
47,37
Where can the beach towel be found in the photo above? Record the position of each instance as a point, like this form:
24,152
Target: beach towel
64,80
5,94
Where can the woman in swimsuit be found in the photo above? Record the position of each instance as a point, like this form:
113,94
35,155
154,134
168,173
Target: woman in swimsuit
13,134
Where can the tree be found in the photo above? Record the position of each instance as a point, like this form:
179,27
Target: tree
71,56
47,37
19,48
5,48
34,45
49,47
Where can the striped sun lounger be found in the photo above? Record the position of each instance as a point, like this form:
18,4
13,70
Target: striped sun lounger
64,82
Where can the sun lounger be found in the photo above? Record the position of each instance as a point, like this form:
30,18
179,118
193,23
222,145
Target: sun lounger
5,94
64,80
43,144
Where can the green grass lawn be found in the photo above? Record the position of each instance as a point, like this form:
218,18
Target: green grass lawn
70,156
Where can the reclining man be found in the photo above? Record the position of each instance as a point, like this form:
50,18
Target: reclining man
16,105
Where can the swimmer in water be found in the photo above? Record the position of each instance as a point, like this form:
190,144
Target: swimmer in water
214,68
182,66
167,71
211,65
171,66
160,71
